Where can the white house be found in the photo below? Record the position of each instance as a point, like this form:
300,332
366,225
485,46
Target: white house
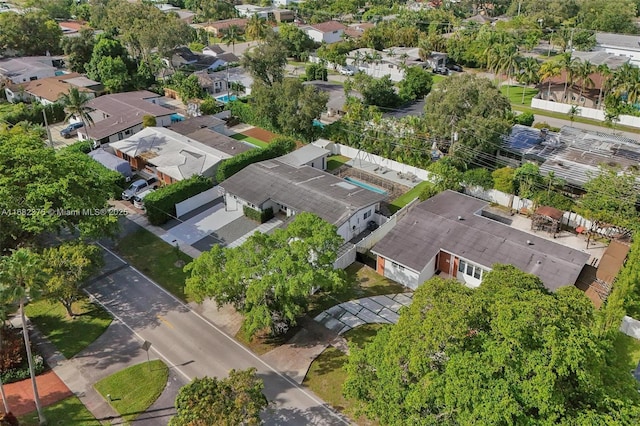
448,235
620,45
325,32
391,62
289,190
309,155
29,68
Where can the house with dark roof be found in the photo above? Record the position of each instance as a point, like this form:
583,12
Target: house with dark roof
119,115
325,32
449,235
212,132
620,45
289,190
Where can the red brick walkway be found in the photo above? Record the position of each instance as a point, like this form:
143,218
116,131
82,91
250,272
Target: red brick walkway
260,134
50,388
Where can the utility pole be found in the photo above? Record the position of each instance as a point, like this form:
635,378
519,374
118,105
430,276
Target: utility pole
46,126
519,7
228,98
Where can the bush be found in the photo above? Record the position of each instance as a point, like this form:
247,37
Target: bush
149,121
257,215
554,199
22,373
12,352
478,177
545,125
33,113
80,146
316,72
278,147
161,204
525,119
428,191
210,106
503,179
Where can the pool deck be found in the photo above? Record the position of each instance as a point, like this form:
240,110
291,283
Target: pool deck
381,172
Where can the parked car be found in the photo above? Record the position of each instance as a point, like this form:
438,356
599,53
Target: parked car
71,130
441,70
346,71
138,200
454,67
137,187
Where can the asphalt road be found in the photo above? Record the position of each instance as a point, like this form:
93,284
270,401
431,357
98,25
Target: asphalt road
193,347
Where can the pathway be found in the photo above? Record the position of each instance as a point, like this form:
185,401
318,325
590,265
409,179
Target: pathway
369,310
263,228
20,394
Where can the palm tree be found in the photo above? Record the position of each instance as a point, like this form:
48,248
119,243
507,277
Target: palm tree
549,70
583,72
75,105
605,73
529,73
22,276
568,65
256,28
573,111
232,35
507,61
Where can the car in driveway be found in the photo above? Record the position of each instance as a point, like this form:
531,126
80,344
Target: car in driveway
71,130
441,70
347,71
138,186
138,200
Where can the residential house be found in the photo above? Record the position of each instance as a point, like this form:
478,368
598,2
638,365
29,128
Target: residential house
168,155
391,62
325,32
218,28
588,93
210,83
184,15
212,63
270,13
213,50
28,68
49,90
119,115
213,132
627,46
289,190
72,28
286,2
181,56
573,155
449,235
309,155
356,30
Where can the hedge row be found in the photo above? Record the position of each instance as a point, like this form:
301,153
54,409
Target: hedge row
257,215
33,113
278,147
17,374
161,204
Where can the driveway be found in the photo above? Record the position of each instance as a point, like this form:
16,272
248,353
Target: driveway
194,347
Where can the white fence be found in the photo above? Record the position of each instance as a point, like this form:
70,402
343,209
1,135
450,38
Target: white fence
370,240
347,151
190,204
346,258
630,327
592,113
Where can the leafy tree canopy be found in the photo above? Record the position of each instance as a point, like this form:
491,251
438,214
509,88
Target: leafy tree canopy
416,84
508,352
30,34
269,277
266,61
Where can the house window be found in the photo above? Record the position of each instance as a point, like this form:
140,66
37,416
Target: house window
461,266
125,157
477,273
367,214
470,269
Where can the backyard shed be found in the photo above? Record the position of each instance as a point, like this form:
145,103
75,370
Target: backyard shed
112,162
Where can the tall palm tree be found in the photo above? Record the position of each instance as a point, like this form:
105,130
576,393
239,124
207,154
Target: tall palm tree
507,61
256,28
22,276
605,73
232,35
75,105
529,73
632,86
568,65
584,70
549,70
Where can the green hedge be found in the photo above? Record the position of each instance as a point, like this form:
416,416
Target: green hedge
277,147
17,374
257,215
161,204
32,113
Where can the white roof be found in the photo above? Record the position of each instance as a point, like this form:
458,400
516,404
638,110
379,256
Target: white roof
172,153
304,155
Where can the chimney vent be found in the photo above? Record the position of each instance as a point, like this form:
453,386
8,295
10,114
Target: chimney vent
529,243
460,218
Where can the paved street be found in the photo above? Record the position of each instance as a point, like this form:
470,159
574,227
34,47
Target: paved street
194,347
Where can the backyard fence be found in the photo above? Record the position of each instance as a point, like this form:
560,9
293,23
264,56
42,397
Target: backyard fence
595,114
630,327
199,200
346,256
372,239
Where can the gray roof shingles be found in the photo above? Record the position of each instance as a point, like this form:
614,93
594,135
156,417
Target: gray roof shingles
433,225
304,189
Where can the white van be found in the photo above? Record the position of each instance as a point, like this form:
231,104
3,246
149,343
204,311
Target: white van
138,200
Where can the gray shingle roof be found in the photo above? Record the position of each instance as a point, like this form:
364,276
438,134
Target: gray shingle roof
304,189
433,225
629,42
304,155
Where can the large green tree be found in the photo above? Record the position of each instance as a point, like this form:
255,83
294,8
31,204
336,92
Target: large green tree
235,400
78,49
266,61
269,278
42,190
509,352
468,115
75,105
296,41
30,34
68,266
416,84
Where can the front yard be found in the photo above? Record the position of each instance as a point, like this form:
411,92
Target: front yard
249,139
69,335
156,259
70,411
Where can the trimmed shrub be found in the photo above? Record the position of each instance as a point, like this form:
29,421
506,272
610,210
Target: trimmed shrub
161,204
278,147
545,125
525,119
22,373
149,121
316,72
257,215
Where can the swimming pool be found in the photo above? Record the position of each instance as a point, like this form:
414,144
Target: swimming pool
318,123
365,186
175,117
225,98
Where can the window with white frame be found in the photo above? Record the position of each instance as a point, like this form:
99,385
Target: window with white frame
470,269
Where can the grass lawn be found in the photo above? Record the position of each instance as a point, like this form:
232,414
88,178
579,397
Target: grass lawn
69,335
407,197
69,411
156,259
134,389
437,78
628,351
249,139
515,94
326,374
336,161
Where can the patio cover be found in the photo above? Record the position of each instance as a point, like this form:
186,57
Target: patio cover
612,261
